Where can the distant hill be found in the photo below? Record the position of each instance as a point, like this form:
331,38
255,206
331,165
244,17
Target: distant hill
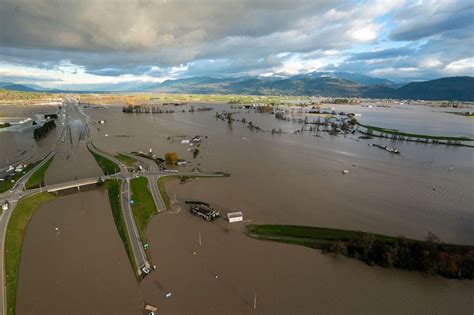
453,88
353,77
323,84
18,87
332,84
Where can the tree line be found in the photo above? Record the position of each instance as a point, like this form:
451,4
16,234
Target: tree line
42,131
431,256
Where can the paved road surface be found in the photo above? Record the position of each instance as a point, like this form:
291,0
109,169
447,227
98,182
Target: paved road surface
135,241
155,192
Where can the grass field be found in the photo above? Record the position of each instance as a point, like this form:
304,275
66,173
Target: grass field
37,178
17,225
127,160
146,98
107,166
143,207
7,184
314,237
113,189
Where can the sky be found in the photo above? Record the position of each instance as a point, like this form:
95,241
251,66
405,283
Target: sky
102,43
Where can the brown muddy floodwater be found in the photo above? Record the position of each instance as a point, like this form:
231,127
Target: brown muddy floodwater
279,179
223,275
81,268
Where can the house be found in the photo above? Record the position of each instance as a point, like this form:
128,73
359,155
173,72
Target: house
235,217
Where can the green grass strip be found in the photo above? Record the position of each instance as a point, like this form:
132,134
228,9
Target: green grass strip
113,189
17,225
108,167
37,178
413,135
127,160
314,237
143,207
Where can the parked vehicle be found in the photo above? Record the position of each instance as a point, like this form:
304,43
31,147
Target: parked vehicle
5,206
206,212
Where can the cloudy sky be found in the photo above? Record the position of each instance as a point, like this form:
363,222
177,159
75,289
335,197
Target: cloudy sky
79,43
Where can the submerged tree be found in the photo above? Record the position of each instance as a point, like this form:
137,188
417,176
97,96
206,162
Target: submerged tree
171,158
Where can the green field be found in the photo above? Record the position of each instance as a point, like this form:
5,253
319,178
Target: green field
127,160
37,178
7,184
113,189
15,233
107,166
143,207
314,237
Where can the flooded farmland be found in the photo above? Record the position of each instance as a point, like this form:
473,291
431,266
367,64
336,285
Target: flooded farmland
282,179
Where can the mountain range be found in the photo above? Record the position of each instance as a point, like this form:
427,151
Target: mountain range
331,84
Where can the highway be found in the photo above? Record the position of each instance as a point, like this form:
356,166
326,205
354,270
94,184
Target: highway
155,192
152,172
125,196
134,236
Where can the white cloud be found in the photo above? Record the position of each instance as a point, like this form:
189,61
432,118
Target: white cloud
463,66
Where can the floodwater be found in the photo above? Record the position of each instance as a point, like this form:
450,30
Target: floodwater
73,261
73,160
225,273
290,179
297,179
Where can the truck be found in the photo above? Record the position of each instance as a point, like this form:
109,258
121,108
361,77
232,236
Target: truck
204,211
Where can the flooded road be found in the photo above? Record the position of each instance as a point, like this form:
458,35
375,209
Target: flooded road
73,160
73,261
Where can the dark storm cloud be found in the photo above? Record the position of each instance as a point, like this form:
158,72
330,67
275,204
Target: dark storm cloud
382,54
167,39
428,19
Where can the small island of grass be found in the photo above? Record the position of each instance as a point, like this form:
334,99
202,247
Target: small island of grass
37,179
107,166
